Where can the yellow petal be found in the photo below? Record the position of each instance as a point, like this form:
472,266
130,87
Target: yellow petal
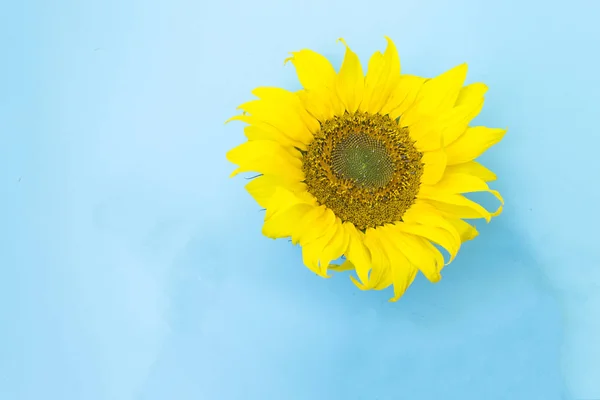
387,277
284,212
374,70
311,253
345,266
473,143
465,183
466,230
260,130
468,105
403,272
357,253
456,205
454,183
427,133
403,96
283,223
456,122
314,226
383,75
319,103
316,218
283,199
421,213
418,251
402,280
291,102
380,276
320,252
336,247
266,157
359,284
472,168
280,117
350,81
472,94
317,76
437,95
263,187
434,164
434,234
314,70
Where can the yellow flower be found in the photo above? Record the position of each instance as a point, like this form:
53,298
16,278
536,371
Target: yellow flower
370,167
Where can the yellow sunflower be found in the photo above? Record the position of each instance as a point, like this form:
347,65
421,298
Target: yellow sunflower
368,168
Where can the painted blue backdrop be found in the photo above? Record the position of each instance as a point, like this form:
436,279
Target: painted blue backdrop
133,268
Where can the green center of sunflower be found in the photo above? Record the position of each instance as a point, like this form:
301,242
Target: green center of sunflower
364,167
362,159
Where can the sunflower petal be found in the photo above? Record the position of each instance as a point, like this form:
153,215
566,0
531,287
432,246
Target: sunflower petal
319,253
311,253
280,117
282,110
318,77
437,95
434,164
261,130
314,228
263,187
403,272
290,101
417,252
374,71
350,81
472,168
336,247
402,280
313,225
456,205
434,234
427,133
313,69
457,183
403,96
467,231
457,120
472,94
345,266
266,157
382,78
380,276
357,253
319,104
281,200
285,211
465,183
386,279
421,213
474,142
468,105
282,224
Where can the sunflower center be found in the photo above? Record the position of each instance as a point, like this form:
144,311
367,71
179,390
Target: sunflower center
364,167
362,159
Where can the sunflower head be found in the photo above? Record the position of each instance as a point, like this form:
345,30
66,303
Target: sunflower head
372,167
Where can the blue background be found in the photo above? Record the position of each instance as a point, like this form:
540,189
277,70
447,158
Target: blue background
133,268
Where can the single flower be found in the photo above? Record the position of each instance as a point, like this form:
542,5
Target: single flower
369,167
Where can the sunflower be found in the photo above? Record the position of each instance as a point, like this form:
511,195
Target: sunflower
369,169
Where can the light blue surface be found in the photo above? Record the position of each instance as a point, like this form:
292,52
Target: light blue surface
133,268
